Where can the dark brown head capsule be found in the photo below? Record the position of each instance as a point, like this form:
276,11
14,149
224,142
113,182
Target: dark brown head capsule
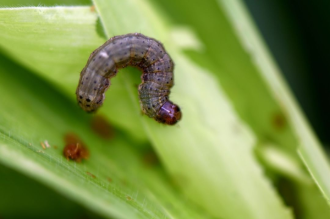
169,113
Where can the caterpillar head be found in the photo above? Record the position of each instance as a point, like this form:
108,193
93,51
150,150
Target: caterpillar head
90,93
90,103
169,113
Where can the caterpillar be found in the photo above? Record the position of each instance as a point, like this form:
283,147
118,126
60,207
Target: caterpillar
142,52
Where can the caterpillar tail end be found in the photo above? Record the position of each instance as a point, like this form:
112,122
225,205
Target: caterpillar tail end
169,113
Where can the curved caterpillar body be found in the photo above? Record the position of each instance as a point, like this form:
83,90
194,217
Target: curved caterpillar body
140,51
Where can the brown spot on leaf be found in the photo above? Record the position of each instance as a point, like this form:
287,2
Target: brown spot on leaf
74,148
150,158
43,145
278,121
102,127
92,8
92,175
124,182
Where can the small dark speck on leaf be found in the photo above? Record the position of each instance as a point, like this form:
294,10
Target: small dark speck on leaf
150,158
92,175
102,127
43,145
278,121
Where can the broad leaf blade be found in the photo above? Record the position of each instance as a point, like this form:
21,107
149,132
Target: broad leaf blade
203,151
205,145
308,146
203,102
123,186
55,43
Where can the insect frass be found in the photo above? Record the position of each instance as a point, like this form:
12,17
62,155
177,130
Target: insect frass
136,50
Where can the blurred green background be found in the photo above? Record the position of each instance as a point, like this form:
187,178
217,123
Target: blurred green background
298,33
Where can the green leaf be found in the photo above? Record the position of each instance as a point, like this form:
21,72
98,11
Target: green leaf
308,146
23,197
124,186
202,146
231,65
21,3
33,112
56,42
227,108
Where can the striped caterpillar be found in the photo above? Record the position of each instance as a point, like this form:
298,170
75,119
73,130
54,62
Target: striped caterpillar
136,50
